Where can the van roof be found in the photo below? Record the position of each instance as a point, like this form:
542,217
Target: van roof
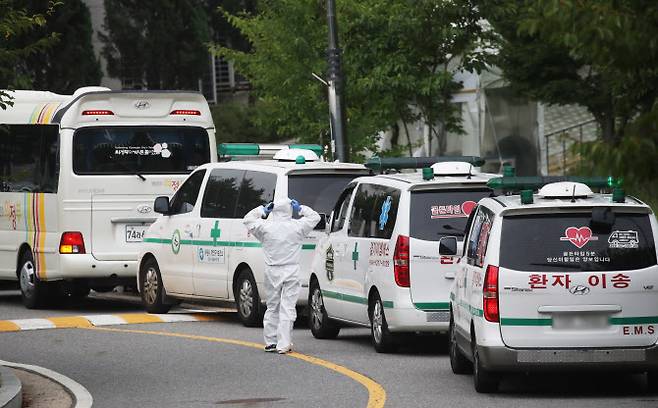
288,167
415,181
511,204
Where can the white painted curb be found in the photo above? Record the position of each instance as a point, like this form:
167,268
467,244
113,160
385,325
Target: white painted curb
82,397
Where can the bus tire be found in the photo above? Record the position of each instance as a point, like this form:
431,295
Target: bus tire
321,326
152,288
382,339
247,300
34,292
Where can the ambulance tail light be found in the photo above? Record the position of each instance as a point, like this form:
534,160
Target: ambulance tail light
189,112
72,243
401,262
490,295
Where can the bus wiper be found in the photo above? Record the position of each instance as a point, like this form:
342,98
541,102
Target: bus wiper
126,168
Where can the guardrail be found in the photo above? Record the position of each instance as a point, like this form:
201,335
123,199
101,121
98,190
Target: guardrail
560,157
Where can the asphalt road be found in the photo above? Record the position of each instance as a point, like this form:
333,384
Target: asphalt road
220,363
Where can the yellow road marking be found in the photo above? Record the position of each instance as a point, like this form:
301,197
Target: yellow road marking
376,393
133,318
6,326
70,322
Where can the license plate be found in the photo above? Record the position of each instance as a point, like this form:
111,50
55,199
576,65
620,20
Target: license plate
135,233
586,321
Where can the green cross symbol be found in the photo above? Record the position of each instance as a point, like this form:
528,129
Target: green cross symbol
215,233
355,254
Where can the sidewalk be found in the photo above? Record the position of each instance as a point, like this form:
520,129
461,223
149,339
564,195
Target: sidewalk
42,392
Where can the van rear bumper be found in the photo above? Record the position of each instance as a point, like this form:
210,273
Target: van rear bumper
501,358
416,320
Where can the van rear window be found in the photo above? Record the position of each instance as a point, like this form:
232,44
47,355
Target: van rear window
438,213
139,150
318,191
572,242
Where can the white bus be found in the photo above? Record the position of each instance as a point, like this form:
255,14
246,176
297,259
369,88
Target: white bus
78,177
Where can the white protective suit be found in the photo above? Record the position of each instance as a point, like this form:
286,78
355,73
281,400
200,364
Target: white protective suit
282,238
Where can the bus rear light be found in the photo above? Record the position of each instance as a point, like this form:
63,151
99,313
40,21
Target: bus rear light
72,243
97,112
401,262
186,112
490,295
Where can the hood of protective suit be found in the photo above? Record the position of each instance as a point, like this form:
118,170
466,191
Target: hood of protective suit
282,210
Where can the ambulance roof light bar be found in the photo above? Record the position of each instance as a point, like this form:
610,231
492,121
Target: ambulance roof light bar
256,149
398,163
535,183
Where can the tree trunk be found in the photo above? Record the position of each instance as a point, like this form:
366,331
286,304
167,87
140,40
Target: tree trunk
406,132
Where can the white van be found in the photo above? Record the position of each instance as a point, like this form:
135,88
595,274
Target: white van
200,249
78,177
561,279
378,263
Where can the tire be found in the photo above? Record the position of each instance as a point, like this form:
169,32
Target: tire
484,380
382,338
247,300
152,287
652,382
321,326
34,292
458,361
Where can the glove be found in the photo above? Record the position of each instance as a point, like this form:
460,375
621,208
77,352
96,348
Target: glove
296,207
267,208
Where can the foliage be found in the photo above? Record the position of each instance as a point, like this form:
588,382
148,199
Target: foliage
395,54
156,44
599,54
72,63
234,124
15,22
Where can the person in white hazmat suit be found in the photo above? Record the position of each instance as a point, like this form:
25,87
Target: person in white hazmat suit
281,236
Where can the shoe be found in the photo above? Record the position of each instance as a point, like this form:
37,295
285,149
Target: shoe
285,350
270,348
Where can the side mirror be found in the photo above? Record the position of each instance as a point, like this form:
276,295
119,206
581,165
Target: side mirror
161,205
448,246
322,224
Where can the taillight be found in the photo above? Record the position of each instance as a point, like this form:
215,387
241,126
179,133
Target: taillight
401,261
97,112
186,112
490,295
72,243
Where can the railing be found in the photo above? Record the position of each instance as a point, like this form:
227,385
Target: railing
560,157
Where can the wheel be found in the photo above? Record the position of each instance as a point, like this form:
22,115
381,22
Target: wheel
247,300
652,382
34,292
321,326
458,362
484,380
382,338
152,288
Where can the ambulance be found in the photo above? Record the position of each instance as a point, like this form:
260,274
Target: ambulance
199,249
555,278
78,176
378,264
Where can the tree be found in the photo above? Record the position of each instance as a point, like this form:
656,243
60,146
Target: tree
601,55
156,44
396,54
15,22
72,63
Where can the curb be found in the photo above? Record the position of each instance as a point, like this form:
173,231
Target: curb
81,397
11,389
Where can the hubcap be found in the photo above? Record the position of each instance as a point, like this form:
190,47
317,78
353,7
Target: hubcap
316,308
27,279
151,286
377,321
246,298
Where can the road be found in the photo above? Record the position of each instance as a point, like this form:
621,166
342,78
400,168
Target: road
221,363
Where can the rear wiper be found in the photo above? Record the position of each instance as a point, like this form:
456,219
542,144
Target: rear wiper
128,169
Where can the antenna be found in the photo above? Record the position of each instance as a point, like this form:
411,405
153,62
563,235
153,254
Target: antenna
573,194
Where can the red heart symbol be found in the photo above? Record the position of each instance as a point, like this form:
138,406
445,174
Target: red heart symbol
468,206
578,236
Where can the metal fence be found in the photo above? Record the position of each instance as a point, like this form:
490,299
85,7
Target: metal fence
561,155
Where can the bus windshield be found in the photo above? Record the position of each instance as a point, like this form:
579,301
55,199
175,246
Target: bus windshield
139,150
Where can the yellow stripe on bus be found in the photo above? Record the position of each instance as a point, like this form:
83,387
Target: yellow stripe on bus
42,234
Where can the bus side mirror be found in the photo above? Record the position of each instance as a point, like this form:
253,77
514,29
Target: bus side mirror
448,246
161,205
322,224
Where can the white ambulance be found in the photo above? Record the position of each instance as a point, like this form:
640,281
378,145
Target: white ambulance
78,177
200,250
560,279
378,264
